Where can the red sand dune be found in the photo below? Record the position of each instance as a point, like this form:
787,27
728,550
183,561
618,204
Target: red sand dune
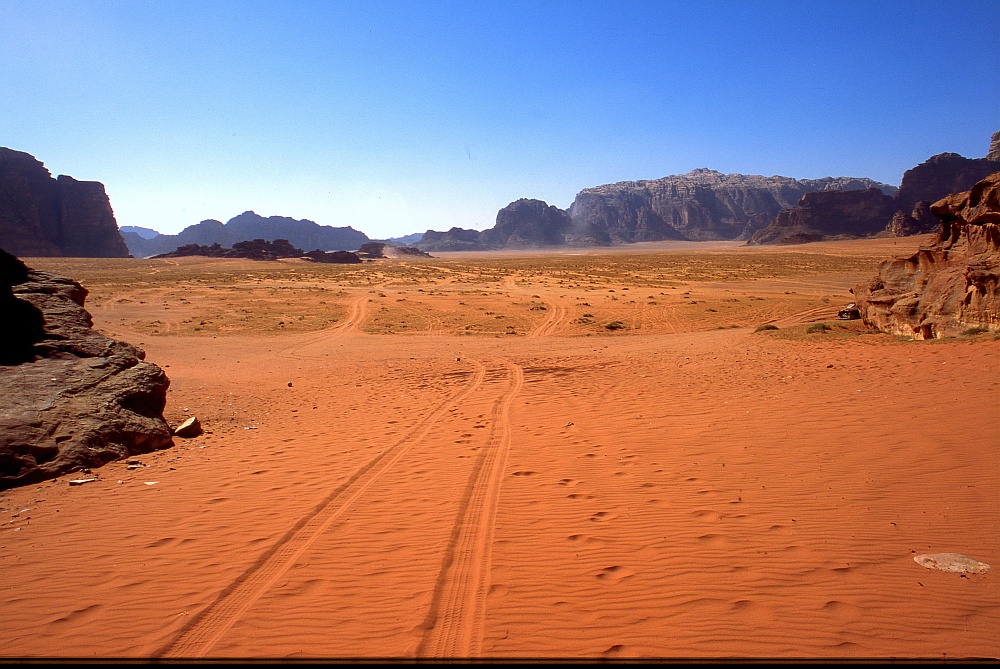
670,491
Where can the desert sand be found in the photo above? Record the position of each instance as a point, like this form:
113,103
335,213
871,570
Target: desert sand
457,457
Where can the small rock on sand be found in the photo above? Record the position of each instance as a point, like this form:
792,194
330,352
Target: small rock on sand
189,428
954,562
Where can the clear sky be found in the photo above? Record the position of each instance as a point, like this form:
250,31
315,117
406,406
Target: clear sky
398,117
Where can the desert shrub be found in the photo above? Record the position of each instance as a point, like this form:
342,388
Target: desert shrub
817,327
765,326
615,325
974,331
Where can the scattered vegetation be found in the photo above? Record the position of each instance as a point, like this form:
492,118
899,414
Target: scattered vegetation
817,327
765,326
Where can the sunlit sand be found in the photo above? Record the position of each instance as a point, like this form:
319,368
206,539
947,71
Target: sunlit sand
582,453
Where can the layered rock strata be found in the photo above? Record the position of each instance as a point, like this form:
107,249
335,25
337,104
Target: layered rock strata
70,398
951,286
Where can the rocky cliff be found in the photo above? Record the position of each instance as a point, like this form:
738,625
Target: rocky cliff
43,216
701,205
951,286
455,239
70,398
828,215
526,224
248,226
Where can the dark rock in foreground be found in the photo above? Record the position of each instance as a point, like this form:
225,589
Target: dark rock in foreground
70,398
951,286
41,216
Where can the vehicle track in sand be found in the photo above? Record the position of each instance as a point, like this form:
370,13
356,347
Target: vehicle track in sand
556,316
206,628
357,311
814,315
457,618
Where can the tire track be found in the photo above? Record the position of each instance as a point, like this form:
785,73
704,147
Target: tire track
356,313
824,313
457,618
206,628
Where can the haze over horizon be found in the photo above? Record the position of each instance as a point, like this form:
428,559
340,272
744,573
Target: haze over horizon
398,117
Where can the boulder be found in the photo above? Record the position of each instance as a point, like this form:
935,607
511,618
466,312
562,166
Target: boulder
948,287
70,398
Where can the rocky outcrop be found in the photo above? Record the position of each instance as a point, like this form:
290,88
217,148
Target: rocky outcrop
375,250
528,224
42,216
829,215
938,177
333,257
909,214
256,249
70,398
249,226
994,152
950,286
701,205
455,239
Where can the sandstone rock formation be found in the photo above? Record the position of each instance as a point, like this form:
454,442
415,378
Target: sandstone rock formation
70,398
528,224
333,257
935,178
701,205
256,249
951,286
42,216
994,152
455,239
828,215
249,226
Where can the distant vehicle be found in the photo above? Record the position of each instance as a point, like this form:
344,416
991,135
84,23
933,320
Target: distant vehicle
850,312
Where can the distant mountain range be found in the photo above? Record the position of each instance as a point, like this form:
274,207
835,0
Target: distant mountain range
304,234
705,205
43,216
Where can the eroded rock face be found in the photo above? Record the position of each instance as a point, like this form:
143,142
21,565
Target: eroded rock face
830,214
528,224
455,239
70,398
702,205
41,216
950,286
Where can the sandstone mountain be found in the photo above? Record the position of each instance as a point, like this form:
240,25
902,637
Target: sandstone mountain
455,239
70,398
829,215
702,205
43,216
951,286
849,214
247,227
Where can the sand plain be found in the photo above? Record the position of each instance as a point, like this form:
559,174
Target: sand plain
571,454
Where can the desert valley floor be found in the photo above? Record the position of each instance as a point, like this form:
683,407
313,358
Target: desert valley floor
590,454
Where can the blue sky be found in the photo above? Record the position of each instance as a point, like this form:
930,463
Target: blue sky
398,117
